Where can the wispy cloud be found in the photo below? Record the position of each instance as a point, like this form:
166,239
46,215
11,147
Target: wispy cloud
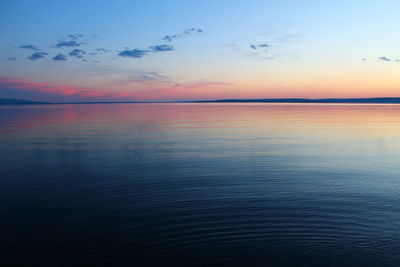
181,91
32,47
135,53
68,41
102,50
59,57
257,51
192,31
384,59
256,46
169,38
138,53
11,58
204,84
187,32
37,55
73,41
162,48
19,88
144,79
149,77
75,36
62,44
78,53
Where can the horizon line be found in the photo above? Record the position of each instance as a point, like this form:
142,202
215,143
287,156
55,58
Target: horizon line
370,100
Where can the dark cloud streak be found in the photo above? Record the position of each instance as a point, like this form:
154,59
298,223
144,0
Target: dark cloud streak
150,77
62,44
32,47
37,55
384,59
256,46
59,57
78,53
75,36
135,53
187,32
162,48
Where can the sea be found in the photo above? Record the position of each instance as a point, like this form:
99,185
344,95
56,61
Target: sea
200,184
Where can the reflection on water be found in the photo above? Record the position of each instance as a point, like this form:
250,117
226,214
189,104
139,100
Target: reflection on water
200,184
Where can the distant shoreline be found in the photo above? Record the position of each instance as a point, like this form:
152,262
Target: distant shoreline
375,100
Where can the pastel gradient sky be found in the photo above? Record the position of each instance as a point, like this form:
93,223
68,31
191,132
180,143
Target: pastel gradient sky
62,51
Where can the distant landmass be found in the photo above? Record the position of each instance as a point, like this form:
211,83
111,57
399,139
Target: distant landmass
4,101
376,100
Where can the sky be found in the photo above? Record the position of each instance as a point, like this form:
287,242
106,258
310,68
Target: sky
63,51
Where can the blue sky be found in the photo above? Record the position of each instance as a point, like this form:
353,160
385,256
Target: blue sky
311,49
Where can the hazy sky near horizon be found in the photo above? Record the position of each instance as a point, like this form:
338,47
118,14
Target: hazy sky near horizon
185,50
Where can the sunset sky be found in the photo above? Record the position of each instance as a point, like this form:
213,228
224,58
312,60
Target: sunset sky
63,51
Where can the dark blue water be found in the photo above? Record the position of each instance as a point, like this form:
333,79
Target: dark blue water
200,185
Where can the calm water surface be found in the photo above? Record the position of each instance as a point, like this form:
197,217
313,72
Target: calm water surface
200,185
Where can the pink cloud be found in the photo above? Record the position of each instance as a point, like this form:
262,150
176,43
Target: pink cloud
62,93
23,85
